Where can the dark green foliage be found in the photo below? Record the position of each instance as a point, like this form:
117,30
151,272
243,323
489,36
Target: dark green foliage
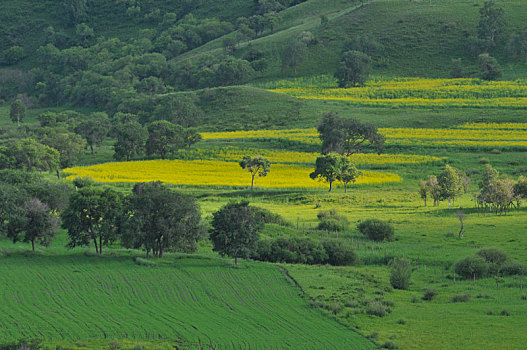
22,345
460,298
91,216
340,253
69,145
491,24
457,68
164,138
159,219
28,155
130,140
400,276
291,250
13,55
332,220
389,345
490,68
429,294
293,55
235,230
494,256
348,135
376,229
365,43
181,110
33,222
17,111
472,265
354,69
327,168
268,217
513,268
94,129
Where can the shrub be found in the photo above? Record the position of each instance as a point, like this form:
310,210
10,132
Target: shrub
339,253
389,345
377,230
401,321
493,255
140,346
331,220
505,313
115,345
335,308
268,217
473,265
377,308
401,274
460,298
429,294
291,250
512,267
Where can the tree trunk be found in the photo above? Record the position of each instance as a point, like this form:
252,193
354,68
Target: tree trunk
448,203
252,182
235,260
330,183
96,247
58,174
92,150
100,245
33,244
345,187
160,251
147,253
461,231
425,202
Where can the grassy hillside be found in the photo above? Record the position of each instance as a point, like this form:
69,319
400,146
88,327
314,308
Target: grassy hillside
182,300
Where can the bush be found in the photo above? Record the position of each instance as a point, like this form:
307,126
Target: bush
331,220
512,268
291,250
389,345
493,255
473,265
377,230
339,253
268,217
429,294
377,308
115,345
401,274
460,298
13,55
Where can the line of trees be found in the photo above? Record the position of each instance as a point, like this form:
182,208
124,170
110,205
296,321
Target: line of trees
448,185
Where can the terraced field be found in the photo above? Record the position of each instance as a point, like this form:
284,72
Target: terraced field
187,300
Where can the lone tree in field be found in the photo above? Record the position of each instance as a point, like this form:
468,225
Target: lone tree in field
190,137
160,219
423,190
235,230
17,111
354,69
34,222
328,168
461,216
258,166
91,216
348,136
293,55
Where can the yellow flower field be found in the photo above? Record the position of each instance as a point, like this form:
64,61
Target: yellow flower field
210,173
275,156
482,134
416,92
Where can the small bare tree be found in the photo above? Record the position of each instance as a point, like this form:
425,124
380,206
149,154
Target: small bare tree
461,216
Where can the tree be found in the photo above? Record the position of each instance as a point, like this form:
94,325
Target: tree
68,144
34,222
229,45
348,136
94,130
233,71
434,189
490,68
235,229
12,199
328,168
457,68
29,155
491,23
423,190
258,166
461,216
517,45
91,216
164,138
191,136
354,69
17,111
160,219
348,172
130,140
451,184
293,55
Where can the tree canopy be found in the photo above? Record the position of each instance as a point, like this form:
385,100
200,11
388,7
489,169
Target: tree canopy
257,166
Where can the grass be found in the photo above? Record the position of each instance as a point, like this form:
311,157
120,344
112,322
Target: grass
59,295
